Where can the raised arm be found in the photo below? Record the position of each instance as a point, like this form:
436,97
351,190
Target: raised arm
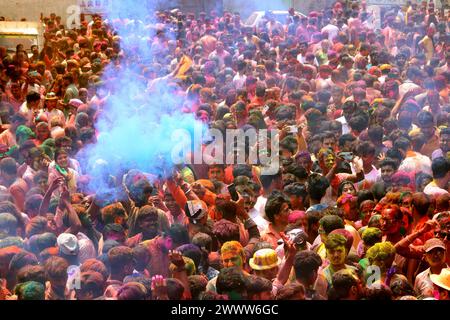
74,221
48,195
404,248
180,272
285,270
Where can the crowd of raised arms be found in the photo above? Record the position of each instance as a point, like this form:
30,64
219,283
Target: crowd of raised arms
359,208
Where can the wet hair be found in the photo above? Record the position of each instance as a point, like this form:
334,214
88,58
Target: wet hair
342,282
22,259
273,205
440,167
305,263
289,291
179,234
358,123
8,223
424,118
111,211
56,268
375,133
345,138
95,265
335,240
141,257
400,286
33,96
36,225
197,285
317,186
296,189
32,203
230,279
175,289
132,291
364,195
192,252
402,144
421,203
242,170
331,222
119,257
289,143
202,240
378,291
225,230
256,284
31,273
9,166
378,190
266,180
94,282
389,162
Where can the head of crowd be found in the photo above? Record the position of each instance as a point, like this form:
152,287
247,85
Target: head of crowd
358,209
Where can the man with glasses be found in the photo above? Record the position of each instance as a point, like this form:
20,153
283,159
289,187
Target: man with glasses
435,252
391,223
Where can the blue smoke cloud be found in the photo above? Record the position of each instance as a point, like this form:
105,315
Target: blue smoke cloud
136,125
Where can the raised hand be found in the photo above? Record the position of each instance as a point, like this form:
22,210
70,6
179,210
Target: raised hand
199,189
176,258
381,156
159,288
430,225
289,246
56,183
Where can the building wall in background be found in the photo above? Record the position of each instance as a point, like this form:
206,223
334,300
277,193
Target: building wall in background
31,9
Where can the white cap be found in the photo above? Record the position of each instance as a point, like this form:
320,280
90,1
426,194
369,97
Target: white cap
68,244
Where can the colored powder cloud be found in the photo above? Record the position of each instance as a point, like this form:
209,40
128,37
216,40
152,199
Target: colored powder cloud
136,124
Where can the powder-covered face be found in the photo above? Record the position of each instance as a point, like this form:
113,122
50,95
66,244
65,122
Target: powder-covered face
231,259
366,209
351,210
388,223
435,257
149,225
63,160
337,255
329,160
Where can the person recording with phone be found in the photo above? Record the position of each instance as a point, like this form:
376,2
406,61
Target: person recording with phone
330,163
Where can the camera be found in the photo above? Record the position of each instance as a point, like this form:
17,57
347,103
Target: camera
347,156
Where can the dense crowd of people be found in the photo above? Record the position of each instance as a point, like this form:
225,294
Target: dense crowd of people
359,208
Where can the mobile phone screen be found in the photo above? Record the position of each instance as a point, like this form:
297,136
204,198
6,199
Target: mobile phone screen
233,193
